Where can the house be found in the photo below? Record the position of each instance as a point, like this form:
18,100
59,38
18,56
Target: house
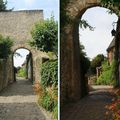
111,51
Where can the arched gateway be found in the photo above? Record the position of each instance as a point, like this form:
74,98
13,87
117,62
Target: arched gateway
18,25
71,77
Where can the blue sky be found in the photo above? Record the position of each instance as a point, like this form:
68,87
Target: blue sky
97,41
48,6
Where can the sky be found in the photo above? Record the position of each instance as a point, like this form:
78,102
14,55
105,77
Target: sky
19,60
97,41
49,7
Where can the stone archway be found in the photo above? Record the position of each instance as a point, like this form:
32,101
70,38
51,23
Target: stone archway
18,25
37,59
29,61
71,77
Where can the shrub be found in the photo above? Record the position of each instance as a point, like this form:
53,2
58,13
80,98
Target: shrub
5,47
45,35
107,75
55,112
21,72
49,73
48,100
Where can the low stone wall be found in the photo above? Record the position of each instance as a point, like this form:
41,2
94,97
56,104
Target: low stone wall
92,80
6,73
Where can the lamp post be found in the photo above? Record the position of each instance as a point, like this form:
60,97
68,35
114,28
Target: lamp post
113,32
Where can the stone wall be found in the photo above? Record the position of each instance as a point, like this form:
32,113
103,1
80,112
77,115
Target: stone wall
71,76
6,73
18,24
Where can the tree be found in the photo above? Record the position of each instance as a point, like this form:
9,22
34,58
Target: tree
85,64
3,5
96,62
84,60
45,35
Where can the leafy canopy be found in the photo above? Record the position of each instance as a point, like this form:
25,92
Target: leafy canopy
113,5
3,5
97,62
84,60
45,35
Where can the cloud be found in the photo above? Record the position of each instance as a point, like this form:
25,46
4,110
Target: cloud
29,2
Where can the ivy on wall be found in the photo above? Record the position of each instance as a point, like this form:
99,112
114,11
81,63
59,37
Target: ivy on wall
49,72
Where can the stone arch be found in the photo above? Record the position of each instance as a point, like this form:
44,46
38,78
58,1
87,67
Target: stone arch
38,58
71,77
19,46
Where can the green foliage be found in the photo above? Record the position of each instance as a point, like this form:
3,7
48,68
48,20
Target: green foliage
22,72
45,35
49,100
46,102
107,76
84,60
96,62
49,71
65,19
85,24
3,5
113,5
49,83
55,111
5,47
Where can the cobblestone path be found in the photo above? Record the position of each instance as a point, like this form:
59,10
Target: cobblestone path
92,107
18,102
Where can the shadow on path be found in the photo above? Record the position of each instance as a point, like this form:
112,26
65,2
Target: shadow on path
92,107
20,87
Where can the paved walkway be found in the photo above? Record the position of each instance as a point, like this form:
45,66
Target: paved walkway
91,107
18,102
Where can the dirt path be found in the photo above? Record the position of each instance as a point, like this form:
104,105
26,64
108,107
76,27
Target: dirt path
18,102
92,107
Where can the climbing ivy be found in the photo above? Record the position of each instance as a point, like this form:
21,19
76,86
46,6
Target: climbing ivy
65,19
49,73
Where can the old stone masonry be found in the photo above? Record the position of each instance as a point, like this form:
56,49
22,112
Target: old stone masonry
18,102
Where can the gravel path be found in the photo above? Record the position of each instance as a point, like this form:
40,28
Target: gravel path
92,107
18,102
